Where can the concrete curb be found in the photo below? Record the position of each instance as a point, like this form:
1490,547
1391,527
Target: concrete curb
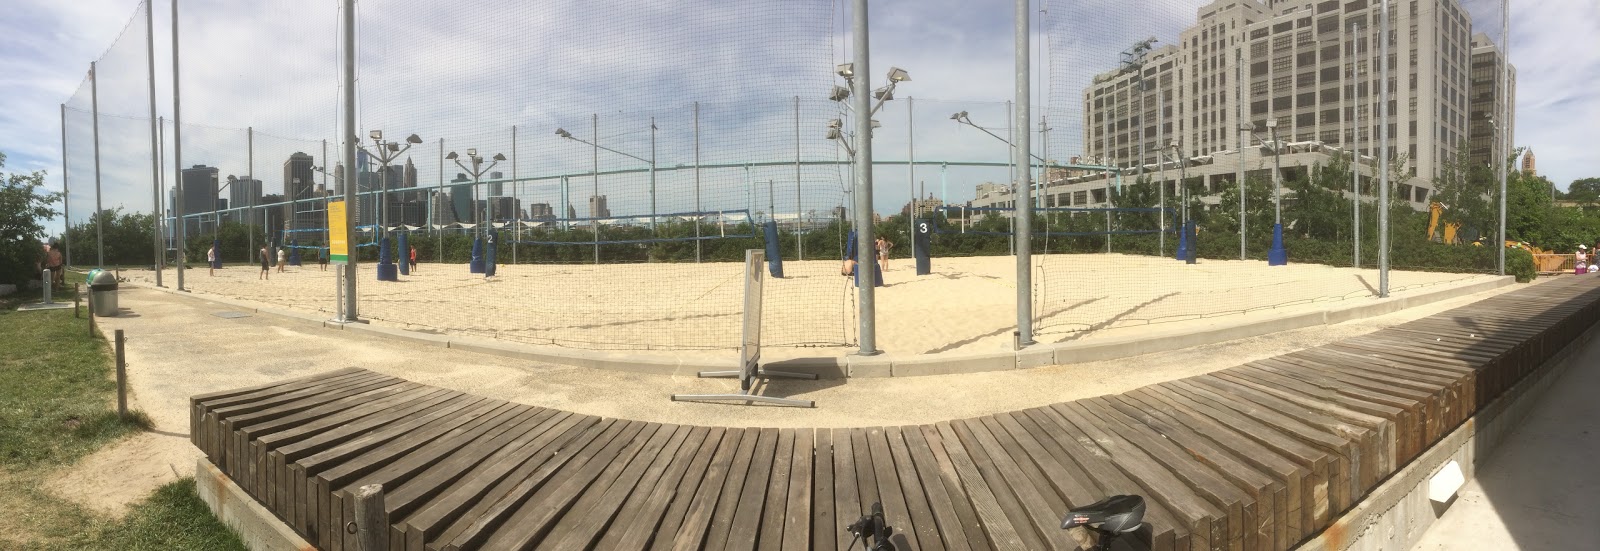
1395,515
890,365
257,527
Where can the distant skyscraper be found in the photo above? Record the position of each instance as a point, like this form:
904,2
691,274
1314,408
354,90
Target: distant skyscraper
541,211
497,189
299,186
199,196
461,203
597,207
245,193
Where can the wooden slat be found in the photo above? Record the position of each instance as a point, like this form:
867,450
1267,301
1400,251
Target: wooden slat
642,513
1257,456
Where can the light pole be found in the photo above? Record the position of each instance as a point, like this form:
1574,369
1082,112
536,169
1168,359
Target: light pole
1186,244
1276,256
861,158
651,161
476,265
387,153
962,117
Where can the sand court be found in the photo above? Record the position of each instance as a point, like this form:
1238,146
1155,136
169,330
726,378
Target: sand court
966,305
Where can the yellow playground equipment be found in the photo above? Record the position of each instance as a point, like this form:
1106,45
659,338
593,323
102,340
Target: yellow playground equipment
1435,211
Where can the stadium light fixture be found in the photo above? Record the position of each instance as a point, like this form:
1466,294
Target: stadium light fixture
452,156
959,116
897,74
563,133
840,93
499,157
413,139
376,134
472,152
847,70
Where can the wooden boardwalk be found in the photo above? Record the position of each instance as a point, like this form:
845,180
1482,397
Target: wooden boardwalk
1258,456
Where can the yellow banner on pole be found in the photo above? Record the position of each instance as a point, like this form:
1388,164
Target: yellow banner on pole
338,244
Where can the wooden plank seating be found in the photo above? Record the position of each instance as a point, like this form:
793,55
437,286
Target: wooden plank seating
1255,457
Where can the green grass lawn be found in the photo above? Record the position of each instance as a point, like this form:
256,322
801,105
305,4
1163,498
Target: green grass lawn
58,404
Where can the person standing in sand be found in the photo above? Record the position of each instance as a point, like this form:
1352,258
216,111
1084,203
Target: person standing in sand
283,259
211,260
883,246
266,260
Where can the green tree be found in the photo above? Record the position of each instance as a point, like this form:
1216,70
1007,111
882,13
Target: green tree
24,205
1584,190
129,238
1468,193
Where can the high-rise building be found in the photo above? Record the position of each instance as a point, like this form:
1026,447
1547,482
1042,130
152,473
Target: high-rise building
1311,66
299,188
245,193
597,207
199,197
461,200
1528,165
497,188
504,209
1489,99
541,211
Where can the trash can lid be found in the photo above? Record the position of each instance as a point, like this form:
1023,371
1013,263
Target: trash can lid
102,277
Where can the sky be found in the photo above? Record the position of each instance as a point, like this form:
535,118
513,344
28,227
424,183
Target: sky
469,72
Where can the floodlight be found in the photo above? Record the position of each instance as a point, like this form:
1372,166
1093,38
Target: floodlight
472,152
876,124
847,70
452,156
376,134
958,116
499,157
413,139
835,123
563,133
839,93
897,74
1173,144
1272,123
393,146
883,94
833,133
1247,127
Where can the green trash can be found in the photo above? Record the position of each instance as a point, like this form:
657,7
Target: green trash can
103,292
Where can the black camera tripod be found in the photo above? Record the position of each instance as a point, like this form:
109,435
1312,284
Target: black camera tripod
872,531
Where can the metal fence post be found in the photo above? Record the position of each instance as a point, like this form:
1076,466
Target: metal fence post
177,152
155,156
122,378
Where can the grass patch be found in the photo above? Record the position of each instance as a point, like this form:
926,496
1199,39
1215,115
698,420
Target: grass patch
173,518
58,404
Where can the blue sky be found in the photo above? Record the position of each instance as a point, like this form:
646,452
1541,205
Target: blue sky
532,69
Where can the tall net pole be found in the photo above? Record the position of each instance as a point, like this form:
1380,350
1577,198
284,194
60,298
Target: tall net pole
348,21
1025,184
861,97
99,229
799,213
66,203
155,158
177,152
1383,155
1238,106
1504,128
911,177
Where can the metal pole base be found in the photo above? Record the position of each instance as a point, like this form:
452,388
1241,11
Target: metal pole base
1277,256
744,394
